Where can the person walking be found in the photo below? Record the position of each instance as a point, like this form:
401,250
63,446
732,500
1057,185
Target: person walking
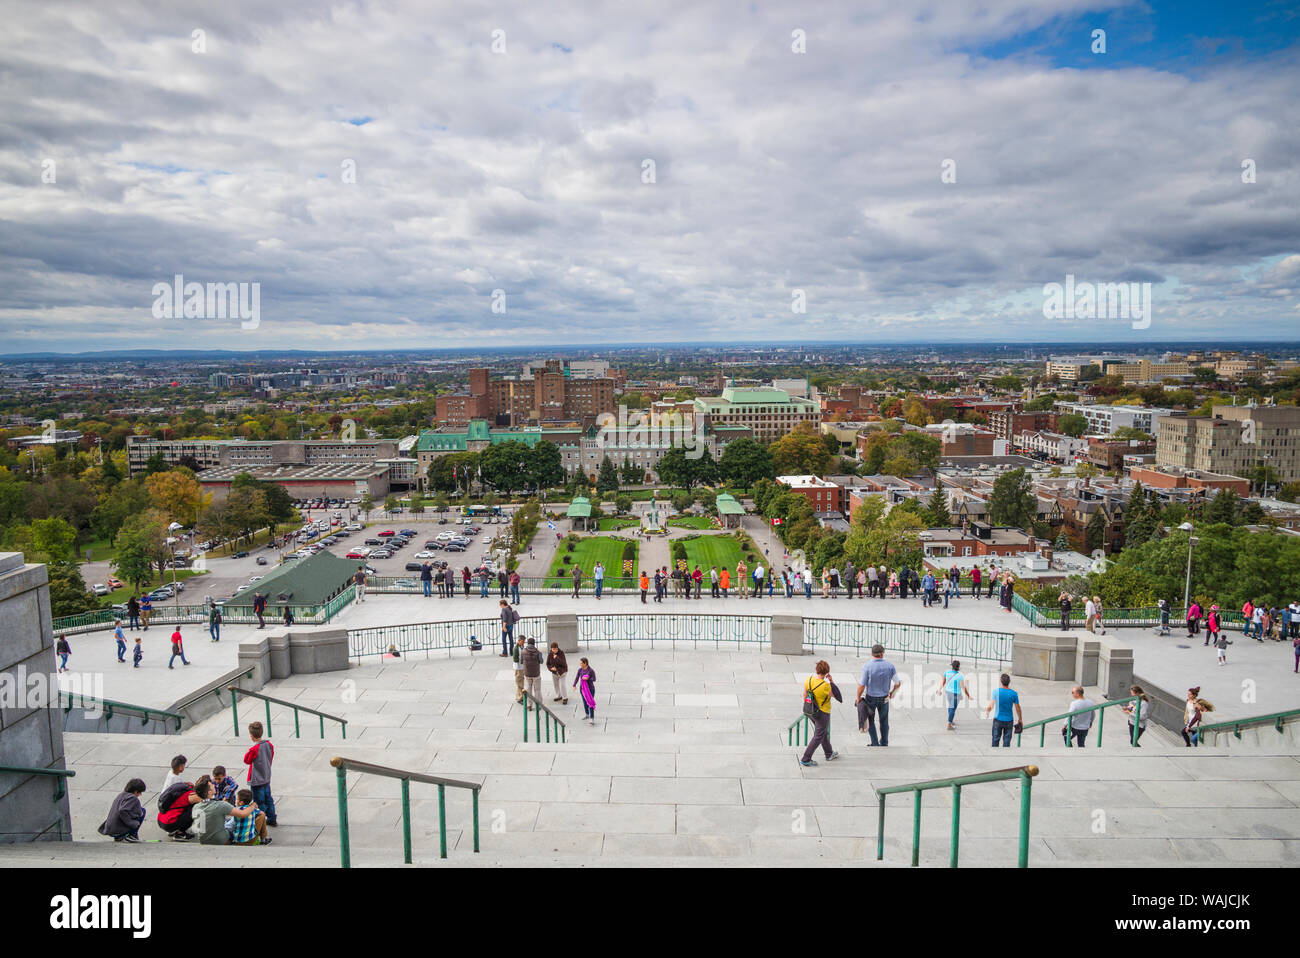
259,609
598,577
1008,591
1221,644
214,622
63,650
359,580
1004,700
658,584
517,656
1098,618
1194,618
507,616
532,659
503,584
1212,626
133,612
120,636
876,688
954,687
1257,618
577,579
992,580
288,615
1076,726
1066,606
1089,615
178,648
1163,606
1137,714
585,683
558,666
1195,711
818,690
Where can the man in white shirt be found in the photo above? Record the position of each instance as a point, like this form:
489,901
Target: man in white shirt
758,580
1078,725
1090,614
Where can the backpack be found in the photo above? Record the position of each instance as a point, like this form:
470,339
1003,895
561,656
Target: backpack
167,798
514,615
810,706
474,644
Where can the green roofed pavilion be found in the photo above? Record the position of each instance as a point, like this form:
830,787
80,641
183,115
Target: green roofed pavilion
730,510
580,512
300,583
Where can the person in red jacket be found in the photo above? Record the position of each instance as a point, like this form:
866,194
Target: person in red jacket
258,759
177,815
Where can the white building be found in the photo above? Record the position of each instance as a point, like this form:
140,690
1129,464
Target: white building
1053,445
1104,420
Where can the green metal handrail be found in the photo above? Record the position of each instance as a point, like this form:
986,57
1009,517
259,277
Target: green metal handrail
235,690
146,713
560,727
792,731
1236,725
60,775
341,766
1042,724
1025,773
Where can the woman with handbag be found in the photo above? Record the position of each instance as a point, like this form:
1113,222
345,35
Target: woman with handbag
818,689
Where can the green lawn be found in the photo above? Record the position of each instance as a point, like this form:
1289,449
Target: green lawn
606,550
610,524
718,550
702,523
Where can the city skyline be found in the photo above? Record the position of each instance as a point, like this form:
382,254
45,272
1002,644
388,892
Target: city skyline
897,177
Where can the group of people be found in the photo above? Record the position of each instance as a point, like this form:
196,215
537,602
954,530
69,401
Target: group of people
1092,613
213,808
137,656
445,581
528,664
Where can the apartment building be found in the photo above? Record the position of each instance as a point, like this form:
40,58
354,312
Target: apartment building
553,391
1233,440
769,413
1104,420
1145,371
822,494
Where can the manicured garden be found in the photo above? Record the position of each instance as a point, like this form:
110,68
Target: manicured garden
610,524
718,550
700,523
587,551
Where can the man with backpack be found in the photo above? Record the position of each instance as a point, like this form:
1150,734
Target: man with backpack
532,659
508,619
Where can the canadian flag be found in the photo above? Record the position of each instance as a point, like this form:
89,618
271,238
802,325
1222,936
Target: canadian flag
776,522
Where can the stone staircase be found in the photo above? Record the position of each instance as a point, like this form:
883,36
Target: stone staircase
696,771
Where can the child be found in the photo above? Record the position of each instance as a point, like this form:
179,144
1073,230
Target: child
258,759
126,815
247,825
1221,643
178,767
138,654
223,785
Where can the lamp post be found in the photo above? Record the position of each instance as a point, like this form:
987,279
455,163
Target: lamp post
1187,584
171,545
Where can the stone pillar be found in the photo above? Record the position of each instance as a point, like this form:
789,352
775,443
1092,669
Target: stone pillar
1115,670
255,654
1038,656
1085,661
787,635
31,725
562,627
278,644
321,650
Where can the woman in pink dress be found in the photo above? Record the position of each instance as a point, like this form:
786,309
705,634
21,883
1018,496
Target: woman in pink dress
585,683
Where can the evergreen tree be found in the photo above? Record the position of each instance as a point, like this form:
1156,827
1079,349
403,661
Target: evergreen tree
937,513
607,478
1095,531
1062,543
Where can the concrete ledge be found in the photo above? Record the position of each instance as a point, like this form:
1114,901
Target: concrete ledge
322,650
255,654
1086,654
280,658
1050,657
787,635
562,627
1115,670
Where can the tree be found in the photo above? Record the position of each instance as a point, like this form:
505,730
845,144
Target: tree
1223,507
1129,433
744,462
1011,502
682,501
937,513
68,593
1062,544
677,469
607,478
507,466
1086,470
545,466
623,503
1094,533
1072,424
446,473
1290,492
1007,383
801,452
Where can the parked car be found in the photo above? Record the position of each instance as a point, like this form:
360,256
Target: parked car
100,589
381,554
240,555
455,547
442,521
354,527
405,583
358,554
386,533
409,532
374,542
114,582
413,567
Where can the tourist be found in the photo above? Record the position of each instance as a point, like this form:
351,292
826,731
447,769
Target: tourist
1003,701
507,628
176,809
259,609
288,615
146,610
466,577
1295,619
248,828
223,785
818,690
1221,645
904,582
214,622
1194,618
862,581
1005,597
517,660
120,636
975,581
503,584
1257,619
893,584
873,581
126,814
724,580
993,580
791,580
1097,615
177,767
258,759
658,583
1076,726
951,590
876,688
697,577
598,577
835,582
585,683
808,582
742,579
1066,606
1212,627
133,612
771,577
210,815
426,578
138,654
645,585
1163,606
178,648
63,650
359,580
1196,709
849,578
826,582
484,578
514,587
927,589
1137,712
758,579
532,661
577,579
1089,615
954,687
558,666
713,582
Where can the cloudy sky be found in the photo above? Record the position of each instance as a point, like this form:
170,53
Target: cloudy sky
631,172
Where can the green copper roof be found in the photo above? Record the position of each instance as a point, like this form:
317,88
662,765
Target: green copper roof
728,506
305,581
580,508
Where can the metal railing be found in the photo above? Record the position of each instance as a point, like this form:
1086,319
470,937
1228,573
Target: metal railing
60,776
537,708
108,707
1048,617
1025,773
438,636
755,630
169,614
799,726
410,584
1277,719
1041,724
236,691
942,641
342,765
